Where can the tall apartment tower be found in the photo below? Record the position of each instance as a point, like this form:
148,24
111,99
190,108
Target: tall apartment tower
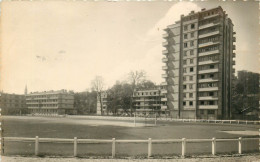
199,65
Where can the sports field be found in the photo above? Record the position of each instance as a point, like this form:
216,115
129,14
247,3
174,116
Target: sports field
91,128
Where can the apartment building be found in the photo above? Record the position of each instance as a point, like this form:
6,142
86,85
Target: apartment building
12,104
50,103
103,103
199,58
149,101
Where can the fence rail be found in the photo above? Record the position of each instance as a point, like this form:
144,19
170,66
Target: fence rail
113,141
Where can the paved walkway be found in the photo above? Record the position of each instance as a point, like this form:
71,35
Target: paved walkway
248,158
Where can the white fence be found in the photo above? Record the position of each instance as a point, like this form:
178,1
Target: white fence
113,141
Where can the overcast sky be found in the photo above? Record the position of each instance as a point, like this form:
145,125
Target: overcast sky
64,45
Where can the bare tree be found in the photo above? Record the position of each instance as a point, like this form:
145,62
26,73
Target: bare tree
98,85
135,78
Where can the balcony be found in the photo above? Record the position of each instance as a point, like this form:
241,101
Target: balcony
164,59
208,71
165,43
208,107
163,99
208,89
164,107
164,84
164,75
208,80
233,70
165,67
208,53
208,44
234,47
210,33
234,33
208,62
163,91
165,35
209,25
165,52
208,98
210,16
234,39
233,54
233,62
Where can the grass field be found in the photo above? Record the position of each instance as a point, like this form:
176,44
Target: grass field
91,128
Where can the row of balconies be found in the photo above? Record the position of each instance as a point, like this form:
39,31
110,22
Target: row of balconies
209,25
208,62
208,71
210,43
208,106
208,98
208,34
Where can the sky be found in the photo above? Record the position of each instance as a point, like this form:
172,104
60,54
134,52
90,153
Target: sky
53,45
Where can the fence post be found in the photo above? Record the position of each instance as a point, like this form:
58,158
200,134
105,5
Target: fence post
36,145
149,147
113,147
75,146
183,148
213,146
240,145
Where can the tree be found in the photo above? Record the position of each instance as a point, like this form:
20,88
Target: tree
135,78
119,96
98,85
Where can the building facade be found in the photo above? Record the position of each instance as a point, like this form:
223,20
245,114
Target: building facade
149,101
12,104
103,103
199,58
50,103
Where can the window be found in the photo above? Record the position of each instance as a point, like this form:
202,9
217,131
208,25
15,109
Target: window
201,102
211,94
192,34
201,112
184,70
191,103
184,86
184,95
185,45
185,53
184,78
191,95
211,102
184,103
191,69
185,36
191,86
191,78
184,62
191,61
211,75
191,52
211,66
192,26
211,112
192,43
185,27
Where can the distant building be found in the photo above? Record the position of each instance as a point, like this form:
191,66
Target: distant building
199,60
149,101
50,102
12,104
103,103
